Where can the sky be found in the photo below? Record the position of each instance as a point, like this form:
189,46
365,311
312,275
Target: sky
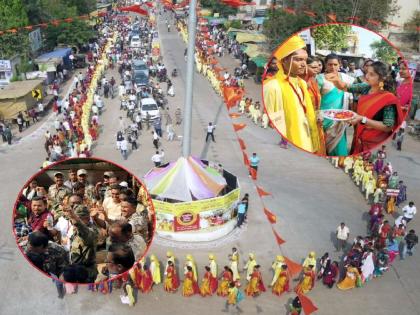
365,39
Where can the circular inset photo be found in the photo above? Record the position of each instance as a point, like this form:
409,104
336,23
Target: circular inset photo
337,89
84,220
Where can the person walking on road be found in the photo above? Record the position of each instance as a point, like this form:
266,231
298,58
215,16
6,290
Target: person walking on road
342,233
210,132
178,116
409,211
254,161
124,148
155,140
241,214
411,240
157,158
8,134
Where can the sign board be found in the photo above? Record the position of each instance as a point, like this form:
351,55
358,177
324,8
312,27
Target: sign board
187,221
392,192
5,65
36,94
35,40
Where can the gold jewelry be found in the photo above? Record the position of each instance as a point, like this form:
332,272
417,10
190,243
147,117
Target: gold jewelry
381,86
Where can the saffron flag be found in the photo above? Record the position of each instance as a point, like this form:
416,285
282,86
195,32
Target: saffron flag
262,192
279,240
307,305
234,115
270,216
374,22
310,13
332,17
246,160
294,268
238,127
135,9
242,144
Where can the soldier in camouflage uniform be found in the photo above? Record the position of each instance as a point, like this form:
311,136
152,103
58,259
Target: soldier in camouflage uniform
57,192
83,242
46,255
89,188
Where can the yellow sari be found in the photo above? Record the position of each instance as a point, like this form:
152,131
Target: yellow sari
205,285
282,283
233,293
307,283
349,282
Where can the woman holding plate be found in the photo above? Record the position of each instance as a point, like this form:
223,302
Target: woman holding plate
378,112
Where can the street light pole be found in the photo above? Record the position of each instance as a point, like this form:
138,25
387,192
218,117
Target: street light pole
192,24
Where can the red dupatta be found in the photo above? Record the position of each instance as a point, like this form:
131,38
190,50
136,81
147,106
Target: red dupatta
369,105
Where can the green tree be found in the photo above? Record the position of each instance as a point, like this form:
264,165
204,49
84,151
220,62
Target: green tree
413,29
83,6
332,37
280,25
70,34
217,7
13,15
384,52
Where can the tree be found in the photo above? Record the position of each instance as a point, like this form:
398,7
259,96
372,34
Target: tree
13,15
217,7
332,37
280,25
413,29
72,34
384,52
83,6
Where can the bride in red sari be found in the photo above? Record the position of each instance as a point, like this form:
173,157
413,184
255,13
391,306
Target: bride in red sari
378,114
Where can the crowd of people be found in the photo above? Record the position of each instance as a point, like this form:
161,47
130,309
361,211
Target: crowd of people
83,228
298,88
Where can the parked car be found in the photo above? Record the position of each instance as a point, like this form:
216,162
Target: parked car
149,106
140,79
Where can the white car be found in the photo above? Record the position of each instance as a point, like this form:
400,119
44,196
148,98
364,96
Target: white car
135,42
149,106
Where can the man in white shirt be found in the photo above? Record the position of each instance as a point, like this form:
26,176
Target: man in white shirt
210,131
342,234
409,211
124,148
112,205
158,157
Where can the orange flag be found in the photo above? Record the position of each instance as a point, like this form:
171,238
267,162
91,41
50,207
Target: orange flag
310,13
253,173
29,27
238,127
290,11
262,192
279,240
307,305
294,268
235,115
68,20
242,144
332,17
270,216
393,25
374,22
246,160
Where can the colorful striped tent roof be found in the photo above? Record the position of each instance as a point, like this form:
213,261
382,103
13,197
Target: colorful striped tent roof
186,179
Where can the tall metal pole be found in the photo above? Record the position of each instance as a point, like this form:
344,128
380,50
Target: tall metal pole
192,24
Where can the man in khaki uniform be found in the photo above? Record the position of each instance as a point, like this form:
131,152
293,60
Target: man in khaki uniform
83,242
57,191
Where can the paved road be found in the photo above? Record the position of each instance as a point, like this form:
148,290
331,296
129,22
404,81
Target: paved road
309,197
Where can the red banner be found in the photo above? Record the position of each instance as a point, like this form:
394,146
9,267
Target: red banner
294,268
262,192
238,127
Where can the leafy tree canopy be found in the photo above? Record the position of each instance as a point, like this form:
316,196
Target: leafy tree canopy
332,37
384,52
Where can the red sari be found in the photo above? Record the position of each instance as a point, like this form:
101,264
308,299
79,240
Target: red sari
369,105
213,284
146,282
171,282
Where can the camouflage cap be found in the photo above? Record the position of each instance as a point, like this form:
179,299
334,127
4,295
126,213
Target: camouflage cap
81,211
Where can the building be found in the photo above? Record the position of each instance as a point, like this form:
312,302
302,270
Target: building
17,97
8,69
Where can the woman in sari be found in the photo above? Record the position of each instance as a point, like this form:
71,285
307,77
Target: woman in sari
282,283
313,70
190,286
349,282
379,111
205,289
255,285
368,266
334,98
146,282
307,281
226,279
330,273
171,282
381,263
405,87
